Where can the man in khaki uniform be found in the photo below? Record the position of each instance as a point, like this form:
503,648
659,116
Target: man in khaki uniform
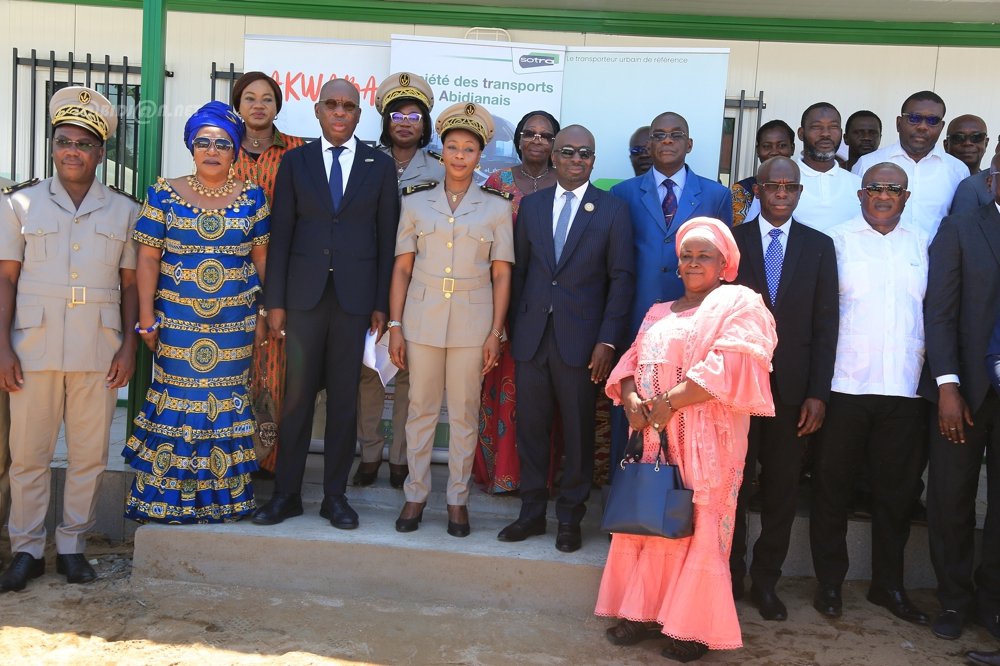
405,101
67,295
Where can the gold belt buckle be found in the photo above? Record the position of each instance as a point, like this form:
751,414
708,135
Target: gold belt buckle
448,285
78,296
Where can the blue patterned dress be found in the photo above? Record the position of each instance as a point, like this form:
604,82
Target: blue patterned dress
192,448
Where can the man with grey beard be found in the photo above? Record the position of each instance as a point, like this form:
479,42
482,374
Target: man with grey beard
829,193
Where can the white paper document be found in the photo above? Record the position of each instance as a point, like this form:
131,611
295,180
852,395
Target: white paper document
376,357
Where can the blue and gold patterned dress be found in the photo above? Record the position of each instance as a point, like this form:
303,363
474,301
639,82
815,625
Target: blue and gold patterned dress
192,448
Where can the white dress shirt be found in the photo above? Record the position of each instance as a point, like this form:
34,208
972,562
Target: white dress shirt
880,349
679,178
346,157
560,201
765,235
932,183
828,198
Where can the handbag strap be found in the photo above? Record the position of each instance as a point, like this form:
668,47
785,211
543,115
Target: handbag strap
634,448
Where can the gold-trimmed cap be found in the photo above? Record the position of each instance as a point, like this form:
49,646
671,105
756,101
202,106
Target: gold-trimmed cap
403,85
467,116
84,107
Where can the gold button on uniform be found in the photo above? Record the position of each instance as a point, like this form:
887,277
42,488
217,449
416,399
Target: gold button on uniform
74,275
76,246
447,269
447,295
451,220
450,243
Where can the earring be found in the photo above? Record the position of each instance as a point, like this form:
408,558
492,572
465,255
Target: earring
441,159
678,271
232,172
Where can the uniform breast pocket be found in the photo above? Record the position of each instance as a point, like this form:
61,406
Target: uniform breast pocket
111,235
29,332
483,239
41,239
423,230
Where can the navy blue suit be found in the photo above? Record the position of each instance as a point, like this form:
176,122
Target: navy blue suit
329,269
559,312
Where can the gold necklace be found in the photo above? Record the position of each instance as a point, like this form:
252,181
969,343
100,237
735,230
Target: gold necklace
456,195
256,140
400,165
534,179
211,192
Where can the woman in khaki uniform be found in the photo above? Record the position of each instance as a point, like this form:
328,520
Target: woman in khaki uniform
447,306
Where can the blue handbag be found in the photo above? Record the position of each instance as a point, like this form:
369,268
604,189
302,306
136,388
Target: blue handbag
648,499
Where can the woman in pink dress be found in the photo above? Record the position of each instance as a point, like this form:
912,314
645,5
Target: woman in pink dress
698,369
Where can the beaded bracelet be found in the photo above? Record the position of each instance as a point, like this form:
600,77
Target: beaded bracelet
142,331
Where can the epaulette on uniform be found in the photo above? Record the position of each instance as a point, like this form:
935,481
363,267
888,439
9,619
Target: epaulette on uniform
20,186
420,187
499,193
124,194
436,156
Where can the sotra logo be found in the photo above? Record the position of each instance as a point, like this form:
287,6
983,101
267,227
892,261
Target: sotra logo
530,60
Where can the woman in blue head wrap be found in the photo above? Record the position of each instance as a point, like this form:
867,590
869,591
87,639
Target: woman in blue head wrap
202,247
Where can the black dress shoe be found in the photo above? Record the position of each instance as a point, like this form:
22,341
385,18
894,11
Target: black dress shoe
458,520
22,568
738,590
898,604
990,622
828,601
76,568
522,528
410,517
278,508
983,658
568,537
768,603
684,651
366,473
397,475
340,514
949,624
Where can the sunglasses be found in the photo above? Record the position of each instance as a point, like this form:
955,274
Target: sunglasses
972,137
892,189
204,143
412,118
568,152
916,119
660,135
334,104
82,146
541,137
638,150
781,187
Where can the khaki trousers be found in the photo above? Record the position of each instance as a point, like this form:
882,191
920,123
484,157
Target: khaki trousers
453,373
371,401
4,457
48,399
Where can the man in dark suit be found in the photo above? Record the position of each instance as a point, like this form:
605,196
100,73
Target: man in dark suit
572,286
660,201
962,302
794,268
333,231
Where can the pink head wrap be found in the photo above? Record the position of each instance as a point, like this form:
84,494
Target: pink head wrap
716,233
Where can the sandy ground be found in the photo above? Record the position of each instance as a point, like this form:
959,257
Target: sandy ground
117,620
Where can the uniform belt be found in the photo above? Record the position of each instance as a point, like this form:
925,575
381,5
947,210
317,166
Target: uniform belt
449,285
77,295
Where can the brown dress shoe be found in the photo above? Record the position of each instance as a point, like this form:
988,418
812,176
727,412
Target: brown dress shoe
410,517
458,520
397,475
366,473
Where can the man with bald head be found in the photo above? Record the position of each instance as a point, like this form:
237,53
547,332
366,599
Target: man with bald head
329,262
794,269
572,286
874,417
963,301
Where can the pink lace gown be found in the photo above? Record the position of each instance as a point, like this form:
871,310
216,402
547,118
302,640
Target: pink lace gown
684,584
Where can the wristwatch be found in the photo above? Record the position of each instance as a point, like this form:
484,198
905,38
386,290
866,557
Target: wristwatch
261,312
393,324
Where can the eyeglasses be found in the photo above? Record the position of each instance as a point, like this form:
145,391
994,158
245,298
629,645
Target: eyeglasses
204,143
892,189
412,118
334,104
781,187
962,137
660,135
916,119
541,137
82,146
638,150
568,152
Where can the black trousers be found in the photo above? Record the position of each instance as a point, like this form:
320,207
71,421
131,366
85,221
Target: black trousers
774,443
543,383
324,347
952,482
883,433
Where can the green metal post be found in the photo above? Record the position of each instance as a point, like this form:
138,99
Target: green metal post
154,57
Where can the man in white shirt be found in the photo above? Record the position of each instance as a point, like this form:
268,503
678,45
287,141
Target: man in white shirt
933,174
829,193
874,415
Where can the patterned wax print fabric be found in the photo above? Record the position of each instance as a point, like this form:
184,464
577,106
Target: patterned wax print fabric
192,448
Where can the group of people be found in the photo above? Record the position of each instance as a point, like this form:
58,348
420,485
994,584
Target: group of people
806,302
